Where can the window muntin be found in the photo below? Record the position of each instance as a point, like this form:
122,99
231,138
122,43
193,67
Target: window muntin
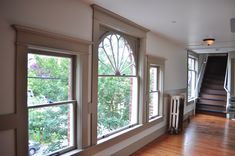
192,75
154,92
50,103
117,86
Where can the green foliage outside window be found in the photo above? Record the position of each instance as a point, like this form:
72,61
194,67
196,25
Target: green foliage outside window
48,81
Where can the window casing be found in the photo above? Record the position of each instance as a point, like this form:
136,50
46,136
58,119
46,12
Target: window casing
117,85
192,77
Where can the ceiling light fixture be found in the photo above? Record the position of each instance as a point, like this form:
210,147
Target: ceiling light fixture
209,41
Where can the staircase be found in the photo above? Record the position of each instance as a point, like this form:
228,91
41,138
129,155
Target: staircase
212,96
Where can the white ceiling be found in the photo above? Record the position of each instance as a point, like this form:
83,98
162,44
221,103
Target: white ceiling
183,21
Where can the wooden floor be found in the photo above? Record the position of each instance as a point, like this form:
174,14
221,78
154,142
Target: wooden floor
205,136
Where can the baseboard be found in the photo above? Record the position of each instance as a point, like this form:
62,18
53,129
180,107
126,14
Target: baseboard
141,143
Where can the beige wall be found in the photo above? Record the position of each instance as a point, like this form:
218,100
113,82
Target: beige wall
73,18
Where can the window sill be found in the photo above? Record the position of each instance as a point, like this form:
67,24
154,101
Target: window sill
192,99
155,119
73,152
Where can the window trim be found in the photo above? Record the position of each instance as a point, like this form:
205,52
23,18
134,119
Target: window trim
30,38
103,18
159,62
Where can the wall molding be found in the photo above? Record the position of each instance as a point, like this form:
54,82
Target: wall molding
141,143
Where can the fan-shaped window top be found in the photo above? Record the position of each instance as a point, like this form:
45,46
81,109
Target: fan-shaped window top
115,56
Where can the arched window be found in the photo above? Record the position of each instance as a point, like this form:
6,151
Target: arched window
117,85
116,56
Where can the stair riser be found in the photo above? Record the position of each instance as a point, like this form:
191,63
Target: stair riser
215,97
212,102
214,92
211,80
211,113
210,86
210,107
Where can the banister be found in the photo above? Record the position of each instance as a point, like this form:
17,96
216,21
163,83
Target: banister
226,79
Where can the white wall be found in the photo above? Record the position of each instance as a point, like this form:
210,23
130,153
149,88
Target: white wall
176,60
73,18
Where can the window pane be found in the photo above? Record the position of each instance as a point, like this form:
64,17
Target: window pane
49,79
153,79
115,56
50,129
189,84
153,104
191,64
117,103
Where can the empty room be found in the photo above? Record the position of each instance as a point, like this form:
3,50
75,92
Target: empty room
117,78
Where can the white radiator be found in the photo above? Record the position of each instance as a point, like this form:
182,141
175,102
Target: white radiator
176,114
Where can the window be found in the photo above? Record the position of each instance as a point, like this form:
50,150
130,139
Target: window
51,103
155,87
153,91
117,85
192,76
51,115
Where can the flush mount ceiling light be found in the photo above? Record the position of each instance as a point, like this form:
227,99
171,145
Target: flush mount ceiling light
209,41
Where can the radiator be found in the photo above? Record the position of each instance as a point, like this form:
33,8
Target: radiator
176,114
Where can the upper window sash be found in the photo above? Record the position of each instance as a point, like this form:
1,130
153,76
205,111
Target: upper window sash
192,63
156,78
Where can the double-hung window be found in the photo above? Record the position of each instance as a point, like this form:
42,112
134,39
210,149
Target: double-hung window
117,85
50,101
153,91
155,87
192,76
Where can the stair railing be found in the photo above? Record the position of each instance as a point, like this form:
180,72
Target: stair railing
200,75
226,80
228,105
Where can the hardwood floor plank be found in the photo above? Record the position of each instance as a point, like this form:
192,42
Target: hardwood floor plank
205,136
